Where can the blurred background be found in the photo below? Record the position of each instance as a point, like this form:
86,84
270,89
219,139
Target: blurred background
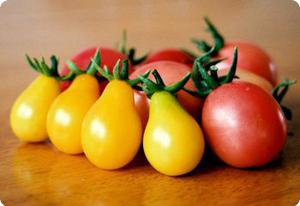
64,27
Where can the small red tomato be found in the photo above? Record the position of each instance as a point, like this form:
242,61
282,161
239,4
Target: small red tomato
170,72
171,54
109,57
251,58
244,125
247,76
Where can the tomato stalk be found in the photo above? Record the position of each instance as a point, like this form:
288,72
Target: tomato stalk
219,41
91,70
279,93
43,68
205,80
131,52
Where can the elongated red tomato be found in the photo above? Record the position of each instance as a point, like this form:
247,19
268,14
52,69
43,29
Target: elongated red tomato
171,54
244,125
251,58
170,72
109,57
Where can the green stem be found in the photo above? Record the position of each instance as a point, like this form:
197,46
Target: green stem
214,73
130,53
206,77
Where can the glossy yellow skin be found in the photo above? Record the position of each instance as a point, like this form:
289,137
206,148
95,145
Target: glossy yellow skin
173,141
29,112
112,129
67,112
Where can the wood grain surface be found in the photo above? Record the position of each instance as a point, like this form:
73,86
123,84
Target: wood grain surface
37,174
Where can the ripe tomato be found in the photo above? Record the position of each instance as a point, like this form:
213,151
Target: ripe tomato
112,130
67,112
173,141
251,77
29,112
109,57
251,58
171,54
170,72
244,125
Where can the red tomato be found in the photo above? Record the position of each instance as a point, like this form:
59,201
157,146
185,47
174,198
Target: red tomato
109,57
170,72
244,125
175,55
251,77
251,58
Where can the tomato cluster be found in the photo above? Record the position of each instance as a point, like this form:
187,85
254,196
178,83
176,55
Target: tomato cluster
107,103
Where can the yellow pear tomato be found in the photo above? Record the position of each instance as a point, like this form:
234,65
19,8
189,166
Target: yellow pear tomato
112,130
29,112
173,141
67,112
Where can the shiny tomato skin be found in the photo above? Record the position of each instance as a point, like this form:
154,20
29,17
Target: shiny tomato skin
170,72
109,57
170,54
173,141
244,125
111,132
142,103
29,111
66,114
251,58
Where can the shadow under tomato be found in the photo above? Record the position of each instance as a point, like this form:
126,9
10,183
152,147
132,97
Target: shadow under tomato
211,163
138,161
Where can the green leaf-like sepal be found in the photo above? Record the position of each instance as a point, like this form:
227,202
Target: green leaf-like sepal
150,87
119,72
279,93
75,71
231,73
207,79
42,67
217,37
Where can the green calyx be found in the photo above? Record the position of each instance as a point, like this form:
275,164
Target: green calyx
120,72
131,52
279,93
217,37
90,69
43,68
150,87
205,74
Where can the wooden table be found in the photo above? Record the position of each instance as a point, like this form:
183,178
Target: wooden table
37,174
